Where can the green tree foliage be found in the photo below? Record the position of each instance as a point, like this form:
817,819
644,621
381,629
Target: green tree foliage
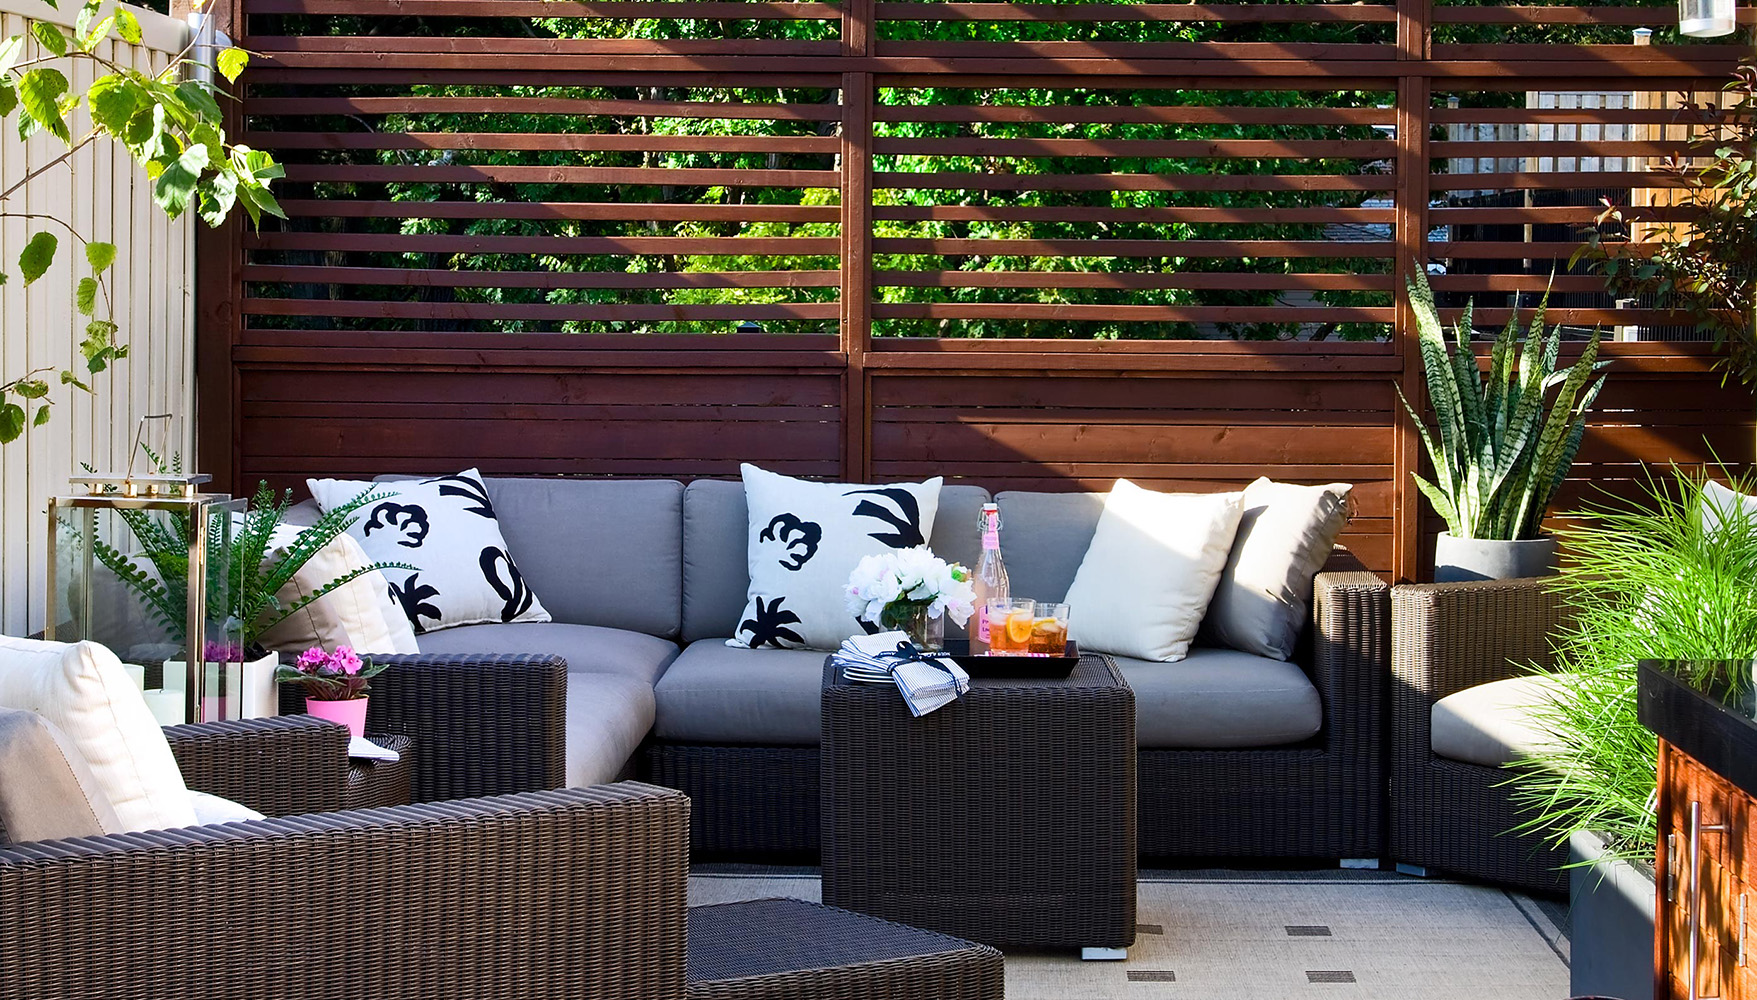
169,125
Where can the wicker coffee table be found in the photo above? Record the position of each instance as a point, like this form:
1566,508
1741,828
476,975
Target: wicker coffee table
374,783
1006,817
786,949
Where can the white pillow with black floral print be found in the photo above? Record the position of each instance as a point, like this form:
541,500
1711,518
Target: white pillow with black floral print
804,540
446,528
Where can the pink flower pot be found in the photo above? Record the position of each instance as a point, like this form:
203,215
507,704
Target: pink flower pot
350,713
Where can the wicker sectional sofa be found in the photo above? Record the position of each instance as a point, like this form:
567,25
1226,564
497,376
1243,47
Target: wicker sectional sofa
1239,756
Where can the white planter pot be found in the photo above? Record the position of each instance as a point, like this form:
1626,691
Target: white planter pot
1460,560
255,695
1610,916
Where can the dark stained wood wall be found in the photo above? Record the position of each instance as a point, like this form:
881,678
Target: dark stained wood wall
282,402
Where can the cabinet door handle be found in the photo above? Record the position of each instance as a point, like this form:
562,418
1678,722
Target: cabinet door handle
1695,903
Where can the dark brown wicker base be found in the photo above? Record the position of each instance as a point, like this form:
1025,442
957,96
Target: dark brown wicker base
745,801
785,949
1007,817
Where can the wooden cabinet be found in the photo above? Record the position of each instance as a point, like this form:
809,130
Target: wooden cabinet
1705,883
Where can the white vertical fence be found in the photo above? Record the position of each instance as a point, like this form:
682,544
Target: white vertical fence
105,197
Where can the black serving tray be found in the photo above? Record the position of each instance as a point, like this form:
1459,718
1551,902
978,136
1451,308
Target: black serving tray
1056,667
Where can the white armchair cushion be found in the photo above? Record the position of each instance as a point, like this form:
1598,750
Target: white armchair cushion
1495,723
81,689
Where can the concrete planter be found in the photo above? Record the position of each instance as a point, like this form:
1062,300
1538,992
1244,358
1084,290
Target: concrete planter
1611,905
1460,560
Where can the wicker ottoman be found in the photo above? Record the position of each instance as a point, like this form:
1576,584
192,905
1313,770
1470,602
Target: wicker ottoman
787,949
1006,817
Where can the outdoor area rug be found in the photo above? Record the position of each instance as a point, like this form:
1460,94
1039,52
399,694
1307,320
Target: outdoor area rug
1221,935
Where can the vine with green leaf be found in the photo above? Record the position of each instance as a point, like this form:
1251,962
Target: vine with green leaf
172,126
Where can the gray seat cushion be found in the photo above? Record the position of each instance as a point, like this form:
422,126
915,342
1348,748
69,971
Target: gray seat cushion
588,649
47,791
716,572
1217,699
1491,724
716,694
607,717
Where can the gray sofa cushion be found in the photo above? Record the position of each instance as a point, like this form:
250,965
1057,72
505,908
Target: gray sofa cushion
716,573
1043,538
1219,699
47,791
598,552
588,649
607,717
715,694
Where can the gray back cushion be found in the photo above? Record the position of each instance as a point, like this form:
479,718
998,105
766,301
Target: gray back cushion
716,571
1043,538
603,552
47,792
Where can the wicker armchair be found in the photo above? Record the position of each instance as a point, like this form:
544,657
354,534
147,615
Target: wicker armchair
579,892
482,725
1450,814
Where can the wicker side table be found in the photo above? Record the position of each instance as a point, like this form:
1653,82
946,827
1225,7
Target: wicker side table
374,783
1006,817
786,949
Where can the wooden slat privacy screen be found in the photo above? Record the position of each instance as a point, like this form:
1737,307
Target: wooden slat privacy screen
1032,246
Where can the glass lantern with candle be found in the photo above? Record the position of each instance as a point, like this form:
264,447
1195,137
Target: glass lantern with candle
140,563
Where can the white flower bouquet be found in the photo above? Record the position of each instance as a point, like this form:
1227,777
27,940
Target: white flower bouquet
910,589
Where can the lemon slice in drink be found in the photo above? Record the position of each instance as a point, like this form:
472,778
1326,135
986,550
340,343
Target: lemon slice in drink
1019,626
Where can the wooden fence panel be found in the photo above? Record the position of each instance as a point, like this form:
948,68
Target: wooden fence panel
1025,245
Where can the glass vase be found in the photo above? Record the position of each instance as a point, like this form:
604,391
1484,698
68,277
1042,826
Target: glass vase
927,632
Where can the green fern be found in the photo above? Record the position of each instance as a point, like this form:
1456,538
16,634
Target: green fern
242,576
1501,452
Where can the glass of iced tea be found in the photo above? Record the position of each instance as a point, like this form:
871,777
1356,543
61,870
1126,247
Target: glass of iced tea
1009,626
1049,629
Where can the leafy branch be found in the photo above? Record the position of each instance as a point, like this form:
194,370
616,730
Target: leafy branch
172,127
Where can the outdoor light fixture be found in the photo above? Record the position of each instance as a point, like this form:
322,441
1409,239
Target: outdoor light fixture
1707,18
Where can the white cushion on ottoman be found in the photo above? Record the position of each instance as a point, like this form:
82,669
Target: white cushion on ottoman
82,689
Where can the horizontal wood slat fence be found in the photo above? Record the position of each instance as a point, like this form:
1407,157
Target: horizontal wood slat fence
1025,245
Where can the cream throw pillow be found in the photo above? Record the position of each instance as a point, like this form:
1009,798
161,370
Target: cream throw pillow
360,613
1285,536
82,689
1150,571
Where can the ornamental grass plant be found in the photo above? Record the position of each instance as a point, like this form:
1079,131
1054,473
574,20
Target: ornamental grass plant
1669,576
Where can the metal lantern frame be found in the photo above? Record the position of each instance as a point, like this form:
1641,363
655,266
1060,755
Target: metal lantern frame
177,495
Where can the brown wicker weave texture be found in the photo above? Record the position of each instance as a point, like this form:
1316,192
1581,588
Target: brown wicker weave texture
1324,798
374,783
745,801
785,949
1006,817
286,766
569,893
483,724
1450,814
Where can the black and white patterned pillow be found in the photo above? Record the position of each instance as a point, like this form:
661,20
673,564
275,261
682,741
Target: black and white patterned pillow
804,540
446,527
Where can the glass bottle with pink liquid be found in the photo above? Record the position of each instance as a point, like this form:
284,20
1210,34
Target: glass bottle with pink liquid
990,578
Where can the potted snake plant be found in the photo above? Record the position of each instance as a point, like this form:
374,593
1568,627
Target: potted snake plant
1502,445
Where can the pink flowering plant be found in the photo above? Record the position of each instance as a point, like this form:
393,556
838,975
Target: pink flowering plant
331,676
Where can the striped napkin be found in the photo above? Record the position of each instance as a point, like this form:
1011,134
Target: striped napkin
926,682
